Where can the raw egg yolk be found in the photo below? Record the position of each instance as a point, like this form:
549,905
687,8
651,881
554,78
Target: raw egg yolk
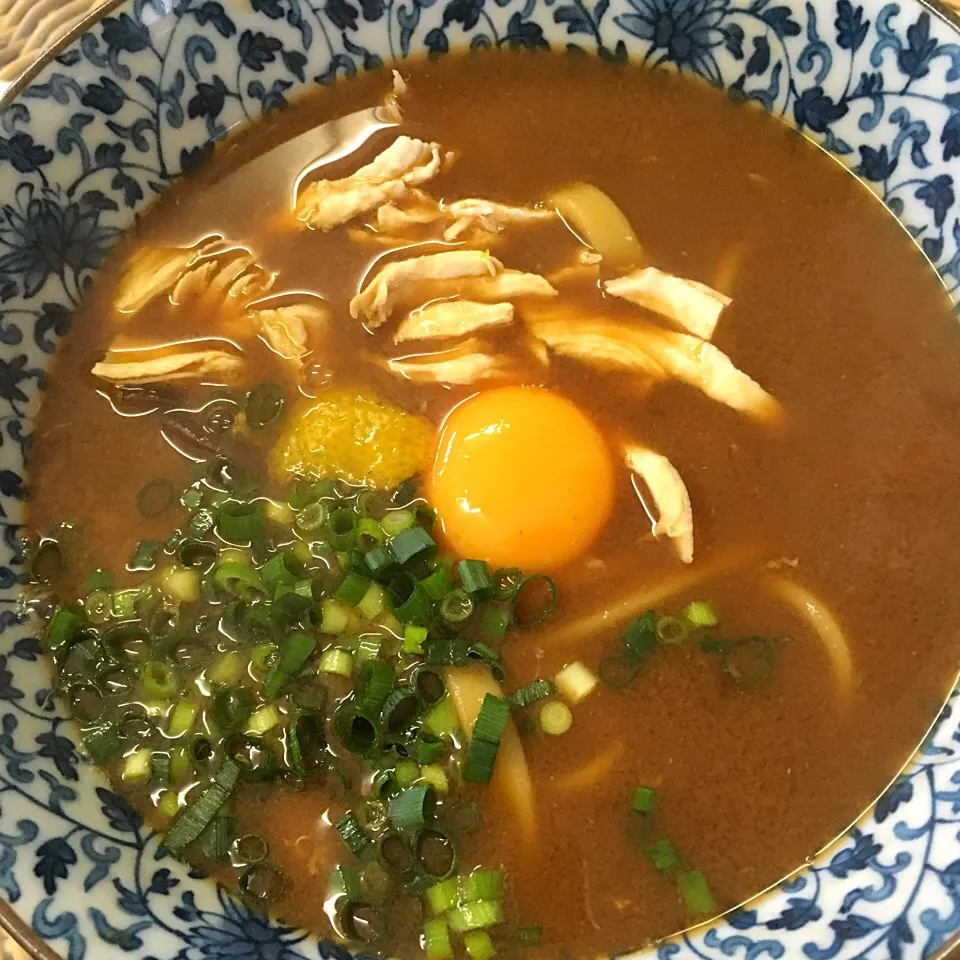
522,477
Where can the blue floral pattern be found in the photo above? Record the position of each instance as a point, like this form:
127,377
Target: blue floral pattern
104,127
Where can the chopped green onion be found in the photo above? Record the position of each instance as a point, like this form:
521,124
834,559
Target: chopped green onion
158,680
373,685
102,742
436,940
368,647
160,764
145,555
100,579
443,896
479,945
264,405
640,637
480,651
475,578
529,936
342,528
232,707
335,617
217,839
197,555
352,834
169,804
380,561
555,718
644,800
294,653
406,773
531,693
749,662
137,766
351,589
266,718
429,684
336,661
399,710
228,669
155,497
369,533
438,584
506,582
414,639
98,606
662,854
575,682
345,882
276,571
475,916
700,614
407,600
239,522
396,521
526,586
194,819
482,885
179,763
262,656
411,543
491,720
494,623
395,853
358,732
428,750
695,892
618,672
182,719
373,602
411,808
446,651
238,577
481,756
456,607
307,743
441,721
671,631
201,523
64,627
311,518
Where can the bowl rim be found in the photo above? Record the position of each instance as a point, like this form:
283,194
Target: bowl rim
30,942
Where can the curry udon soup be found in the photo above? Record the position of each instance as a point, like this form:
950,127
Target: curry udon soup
471,555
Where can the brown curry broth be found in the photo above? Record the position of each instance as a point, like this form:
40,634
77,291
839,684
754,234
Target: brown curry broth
834,311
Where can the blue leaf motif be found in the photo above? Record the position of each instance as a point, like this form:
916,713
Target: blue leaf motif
799,912
851,26
208,100
129,901
742,919
102,860
814,109
779,19
23,153
61,927
343,15
295,61
436,41
900,933
54,319
187,911
950,137
162,882
876,165
61,751
465,12
120,815
902,790
853,927
525,33
257,49
125,33
27,648
858,856
105,95
760,58
55,857
213,13
126,938
915,59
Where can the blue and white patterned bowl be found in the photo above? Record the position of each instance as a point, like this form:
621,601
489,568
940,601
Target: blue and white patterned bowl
105,125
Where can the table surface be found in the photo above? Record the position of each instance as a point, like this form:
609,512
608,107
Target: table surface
27,27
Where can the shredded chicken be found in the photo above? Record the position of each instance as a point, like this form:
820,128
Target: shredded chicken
217,283
604,344
374,304
585,266
452,318
507,285
464,364
675,514
694,306
325,204
202,364
416,209
153,271
489,216
655,353
287,329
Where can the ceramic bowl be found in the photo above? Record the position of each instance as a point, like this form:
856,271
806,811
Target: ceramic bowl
105,124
